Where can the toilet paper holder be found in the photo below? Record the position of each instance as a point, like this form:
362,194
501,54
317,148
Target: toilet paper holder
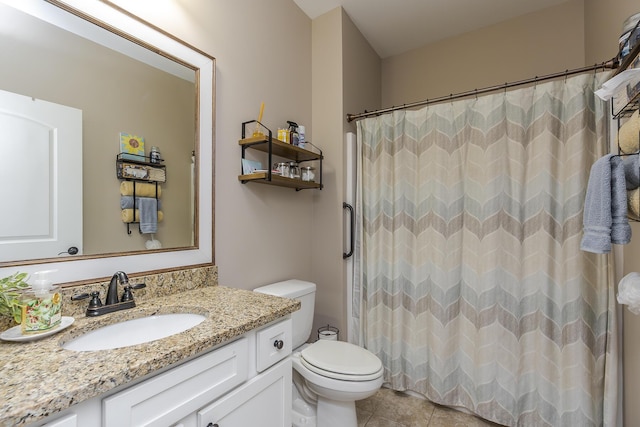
328,333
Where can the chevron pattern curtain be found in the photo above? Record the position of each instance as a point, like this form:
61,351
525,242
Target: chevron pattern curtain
470,285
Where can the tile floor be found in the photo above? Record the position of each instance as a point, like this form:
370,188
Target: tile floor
388,408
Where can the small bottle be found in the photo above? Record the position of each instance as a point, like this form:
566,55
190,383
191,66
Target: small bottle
301,136
293,132
154,156
283,135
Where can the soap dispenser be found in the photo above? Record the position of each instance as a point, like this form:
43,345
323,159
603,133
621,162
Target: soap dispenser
41,305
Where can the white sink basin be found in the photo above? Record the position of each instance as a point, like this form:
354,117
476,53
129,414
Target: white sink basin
136,331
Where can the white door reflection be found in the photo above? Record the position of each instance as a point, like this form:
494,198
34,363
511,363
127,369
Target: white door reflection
41,172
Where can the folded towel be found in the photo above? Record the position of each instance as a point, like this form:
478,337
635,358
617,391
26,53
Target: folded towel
127,215
629,134
620,229
605,207
632,171
126,202
143,189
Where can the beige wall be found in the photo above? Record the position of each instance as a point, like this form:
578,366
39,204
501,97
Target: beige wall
327,90
535,44
346,77
263,54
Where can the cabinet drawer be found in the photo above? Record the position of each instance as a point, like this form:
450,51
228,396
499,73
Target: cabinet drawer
171,396
269,340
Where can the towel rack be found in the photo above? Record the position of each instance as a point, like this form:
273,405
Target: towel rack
134,207
140,169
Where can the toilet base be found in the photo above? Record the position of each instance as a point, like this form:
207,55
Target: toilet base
331,413
302,413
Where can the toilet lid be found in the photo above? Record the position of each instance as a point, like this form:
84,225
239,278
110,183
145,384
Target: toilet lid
341,360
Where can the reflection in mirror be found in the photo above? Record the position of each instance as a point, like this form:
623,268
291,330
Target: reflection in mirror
60,172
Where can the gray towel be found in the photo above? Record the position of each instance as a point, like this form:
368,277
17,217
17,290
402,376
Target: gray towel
148,215
620,229
632,171
599,211
126,202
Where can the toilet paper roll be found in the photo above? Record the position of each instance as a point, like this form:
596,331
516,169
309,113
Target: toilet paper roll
629,134
328,335
633,204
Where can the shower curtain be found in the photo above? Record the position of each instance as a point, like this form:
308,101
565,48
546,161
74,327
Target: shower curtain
469,282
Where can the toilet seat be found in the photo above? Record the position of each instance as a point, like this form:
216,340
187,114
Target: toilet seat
341,360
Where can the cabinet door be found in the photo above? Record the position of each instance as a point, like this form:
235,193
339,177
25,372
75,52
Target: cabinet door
264,400
169,397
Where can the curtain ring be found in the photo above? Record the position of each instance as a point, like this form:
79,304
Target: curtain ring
566,74
476,94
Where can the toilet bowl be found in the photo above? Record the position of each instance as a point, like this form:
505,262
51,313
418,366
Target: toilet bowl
333,375
329,376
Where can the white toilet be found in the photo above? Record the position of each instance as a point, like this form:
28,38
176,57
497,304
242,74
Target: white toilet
329,376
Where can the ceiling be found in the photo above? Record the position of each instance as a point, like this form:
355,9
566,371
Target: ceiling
396,26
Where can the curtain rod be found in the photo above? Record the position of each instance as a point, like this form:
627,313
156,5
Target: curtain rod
611,64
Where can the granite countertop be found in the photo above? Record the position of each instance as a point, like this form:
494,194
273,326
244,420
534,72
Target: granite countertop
39,378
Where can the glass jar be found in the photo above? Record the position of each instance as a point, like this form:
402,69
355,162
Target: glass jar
294,170
282,169
154,156
308,173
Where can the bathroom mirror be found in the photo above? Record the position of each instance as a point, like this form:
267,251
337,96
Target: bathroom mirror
119,75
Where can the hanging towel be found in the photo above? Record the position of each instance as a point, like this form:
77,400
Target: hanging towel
620,229
149,215
143,189
603,190
632,171
633,204
126,202
127,216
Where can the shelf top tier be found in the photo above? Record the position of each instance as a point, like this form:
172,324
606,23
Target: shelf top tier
279,148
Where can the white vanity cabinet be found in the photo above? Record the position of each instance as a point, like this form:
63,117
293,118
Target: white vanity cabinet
245,382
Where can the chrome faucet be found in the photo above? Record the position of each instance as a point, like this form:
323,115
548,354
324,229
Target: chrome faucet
112,292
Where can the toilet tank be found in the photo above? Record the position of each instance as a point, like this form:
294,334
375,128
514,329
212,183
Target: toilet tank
302,319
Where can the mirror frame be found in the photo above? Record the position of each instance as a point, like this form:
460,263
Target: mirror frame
107,15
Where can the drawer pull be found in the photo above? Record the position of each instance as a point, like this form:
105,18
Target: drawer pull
212,425
278,344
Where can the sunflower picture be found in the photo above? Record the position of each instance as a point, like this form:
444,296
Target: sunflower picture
133,145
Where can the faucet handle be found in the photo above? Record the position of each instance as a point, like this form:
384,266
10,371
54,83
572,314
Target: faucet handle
127,295
95,299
